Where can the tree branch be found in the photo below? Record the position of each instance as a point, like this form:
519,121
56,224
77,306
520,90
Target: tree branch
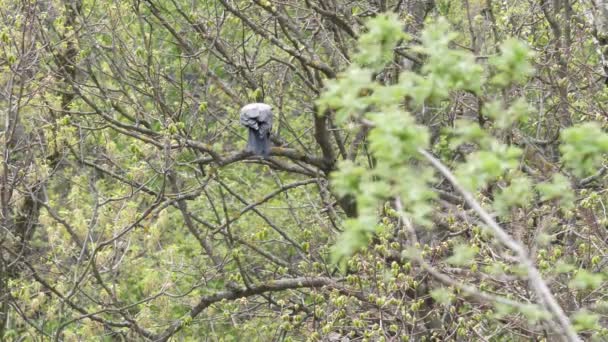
271,286
534,277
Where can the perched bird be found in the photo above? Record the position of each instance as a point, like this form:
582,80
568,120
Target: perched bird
257,117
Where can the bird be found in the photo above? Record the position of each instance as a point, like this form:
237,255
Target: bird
257,117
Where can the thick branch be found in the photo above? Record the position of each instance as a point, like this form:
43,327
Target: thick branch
271,286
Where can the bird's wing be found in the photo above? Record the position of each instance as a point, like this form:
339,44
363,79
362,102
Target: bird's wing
264,129
265,121
265,115
249,119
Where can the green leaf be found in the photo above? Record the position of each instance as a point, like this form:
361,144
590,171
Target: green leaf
376,45
586,280
447,68
555,188
534,313
513,64
484,166
396,136
519,111
344,94
562,267
583,148
463,255
585,320
559,188
517,194
442,295
355,237
348,178
469,132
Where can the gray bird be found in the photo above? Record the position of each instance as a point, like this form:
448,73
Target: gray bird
257,117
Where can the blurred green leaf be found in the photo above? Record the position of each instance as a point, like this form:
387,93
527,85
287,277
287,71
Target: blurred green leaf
463,255
512,64
376,45
585,280
583,147
585,321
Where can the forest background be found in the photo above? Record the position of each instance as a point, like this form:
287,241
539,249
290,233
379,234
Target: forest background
438,170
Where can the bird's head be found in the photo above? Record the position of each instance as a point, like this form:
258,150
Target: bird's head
253,110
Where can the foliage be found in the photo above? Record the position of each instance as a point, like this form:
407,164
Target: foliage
436,166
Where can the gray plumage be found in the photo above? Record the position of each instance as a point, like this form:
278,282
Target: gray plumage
257,117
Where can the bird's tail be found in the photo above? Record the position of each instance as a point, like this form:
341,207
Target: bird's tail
259,145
